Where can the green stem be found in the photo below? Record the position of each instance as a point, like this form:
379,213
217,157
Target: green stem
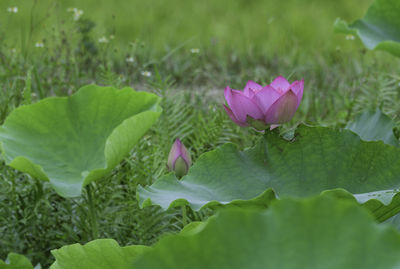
184,216
92,212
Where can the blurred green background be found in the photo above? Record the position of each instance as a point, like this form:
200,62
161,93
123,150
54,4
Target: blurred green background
271,26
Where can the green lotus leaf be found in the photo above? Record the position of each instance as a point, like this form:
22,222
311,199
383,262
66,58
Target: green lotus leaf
394,221
374,126
71,141
380,27
16,261
97,254
318,232
316,160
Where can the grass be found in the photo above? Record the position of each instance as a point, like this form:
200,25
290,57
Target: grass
238,41
235,24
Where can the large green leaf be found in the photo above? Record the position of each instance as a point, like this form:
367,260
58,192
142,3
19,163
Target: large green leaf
380,27
74,140
97,254
313,233
374,126
16,261
394,221
316,160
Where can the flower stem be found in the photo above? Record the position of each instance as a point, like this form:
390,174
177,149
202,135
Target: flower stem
92,212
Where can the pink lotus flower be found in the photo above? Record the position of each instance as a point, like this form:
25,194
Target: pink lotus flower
179,159
259,106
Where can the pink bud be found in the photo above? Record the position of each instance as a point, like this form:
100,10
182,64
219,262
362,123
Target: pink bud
259,106
179,159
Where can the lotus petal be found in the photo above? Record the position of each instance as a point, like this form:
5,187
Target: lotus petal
280,84
251,88
266,97
242,107
283,109
232,116
297,87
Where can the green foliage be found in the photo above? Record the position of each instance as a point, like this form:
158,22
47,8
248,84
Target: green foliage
394,221
378,92
200,24
54,221
16,261
317,159
35,220
76,140
312,233
380,27
374,126
340,81
99,254
284,236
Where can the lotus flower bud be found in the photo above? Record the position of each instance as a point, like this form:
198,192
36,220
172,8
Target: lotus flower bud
259,106
179,159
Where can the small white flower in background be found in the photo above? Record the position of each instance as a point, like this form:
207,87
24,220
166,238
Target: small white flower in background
350,37
39,45
145,73
195,50
103,39
12,9
77,13
130,59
